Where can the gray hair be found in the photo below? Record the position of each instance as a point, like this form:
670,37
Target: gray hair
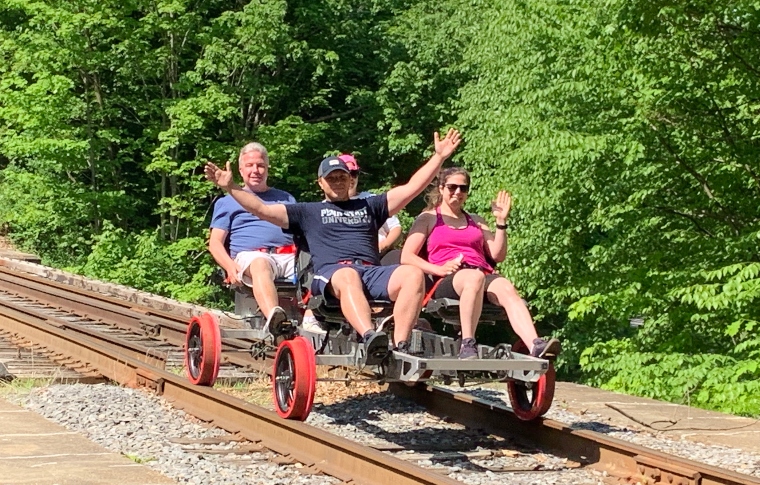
254,147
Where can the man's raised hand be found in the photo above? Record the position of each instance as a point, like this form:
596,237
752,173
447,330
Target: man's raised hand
444,148
221,178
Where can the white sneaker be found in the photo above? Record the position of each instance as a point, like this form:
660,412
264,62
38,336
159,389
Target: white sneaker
311,324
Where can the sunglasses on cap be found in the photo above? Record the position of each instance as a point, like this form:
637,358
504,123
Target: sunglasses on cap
464,188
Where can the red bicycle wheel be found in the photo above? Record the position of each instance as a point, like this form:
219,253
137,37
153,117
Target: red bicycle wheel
295,379
203,349
531,400
313,375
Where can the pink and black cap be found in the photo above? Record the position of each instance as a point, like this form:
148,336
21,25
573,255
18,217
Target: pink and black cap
350,162
331,164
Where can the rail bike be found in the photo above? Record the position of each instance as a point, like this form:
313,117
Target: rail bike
530,381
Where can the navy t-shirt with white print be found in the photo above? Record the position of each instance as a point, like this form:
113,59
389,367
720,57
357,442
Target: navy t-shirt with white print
339,231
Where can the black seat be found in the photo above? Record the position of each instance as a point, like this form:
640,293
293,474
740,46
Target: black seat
447,309
246,305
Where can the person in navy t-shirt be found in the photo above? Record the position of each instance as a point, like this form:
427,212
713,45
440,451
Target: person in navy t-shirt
342,236
388,233
259,251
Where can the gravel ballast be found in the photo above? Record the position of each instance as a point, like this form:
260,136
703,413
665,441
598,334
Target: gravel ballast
145,427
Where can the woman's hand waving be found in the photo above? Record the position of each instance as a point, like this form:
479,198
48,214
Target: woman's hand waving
500,207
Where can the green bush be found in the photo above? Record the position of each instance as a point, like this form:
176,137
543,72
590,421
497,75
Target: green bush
180,269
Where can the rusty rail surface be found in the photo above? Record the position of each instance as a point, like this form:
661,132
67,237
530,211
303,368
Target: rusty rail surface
121,314
127,365
619,458
337,456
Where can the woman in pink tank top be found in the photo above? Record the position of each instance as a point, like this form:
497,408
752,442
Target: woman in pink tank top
462,250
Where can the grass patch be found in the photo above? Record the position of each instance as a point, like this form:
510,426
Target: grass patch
138,459
177,370
258,390
22,387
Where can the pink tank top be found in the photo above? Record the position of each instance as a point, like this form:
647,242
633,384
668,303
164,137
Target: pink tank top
446,243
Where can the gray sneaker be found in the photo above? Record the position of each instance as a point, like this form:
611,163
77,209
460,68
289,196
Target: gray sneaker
277,321
468,350
375,347
546,349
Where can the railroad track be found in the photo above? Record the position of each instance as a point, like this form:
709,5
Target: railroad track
110,314
134,345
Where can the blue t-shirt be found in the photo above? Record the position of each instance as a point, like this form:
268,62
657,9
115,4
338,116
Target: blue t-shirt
246,231
338,231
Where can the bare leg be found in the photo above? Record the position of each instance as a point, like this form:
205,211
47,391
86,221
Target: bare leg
503,293
469,285
407,289
262,278
347,287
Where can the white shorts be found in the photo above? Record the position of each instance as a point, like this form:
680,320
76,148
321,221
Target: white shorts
283,265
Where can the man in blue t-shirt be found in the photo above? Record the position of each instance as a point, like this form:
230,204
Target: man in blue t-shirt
342,236
259,251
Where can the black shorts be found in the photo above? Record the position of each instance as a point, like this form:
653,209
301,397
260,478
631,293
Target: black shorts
445,288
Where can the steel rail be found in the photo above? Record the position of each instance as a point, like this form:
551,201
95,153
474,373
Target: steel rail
14,317
20,276
170,328
313,447
617,457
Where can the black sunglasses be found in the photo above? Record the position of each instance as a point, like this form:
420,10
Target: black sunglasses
453,187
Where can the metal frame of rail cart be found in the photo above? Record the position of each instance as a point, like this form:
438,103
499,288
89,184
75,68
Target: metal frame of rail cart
530,381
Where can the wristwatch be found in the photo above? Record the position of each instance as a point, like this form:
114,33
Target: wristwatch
501,226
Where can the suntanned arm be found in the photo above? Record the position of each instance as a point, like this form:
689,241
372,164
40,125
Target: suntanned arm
274,213
399,197
495,242
391,238
219,253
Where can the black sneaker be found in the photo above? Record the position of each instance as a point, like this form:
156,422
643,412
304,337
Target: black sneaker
468,350
402,347
375,347
405,347
546,349
277,321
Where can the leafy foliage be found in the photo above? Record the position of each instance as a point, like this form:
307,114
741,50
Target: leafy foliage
178,269
626,131
121,103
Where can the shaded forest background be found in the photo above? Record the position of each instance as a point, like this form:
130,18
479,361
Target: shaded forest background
627,131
